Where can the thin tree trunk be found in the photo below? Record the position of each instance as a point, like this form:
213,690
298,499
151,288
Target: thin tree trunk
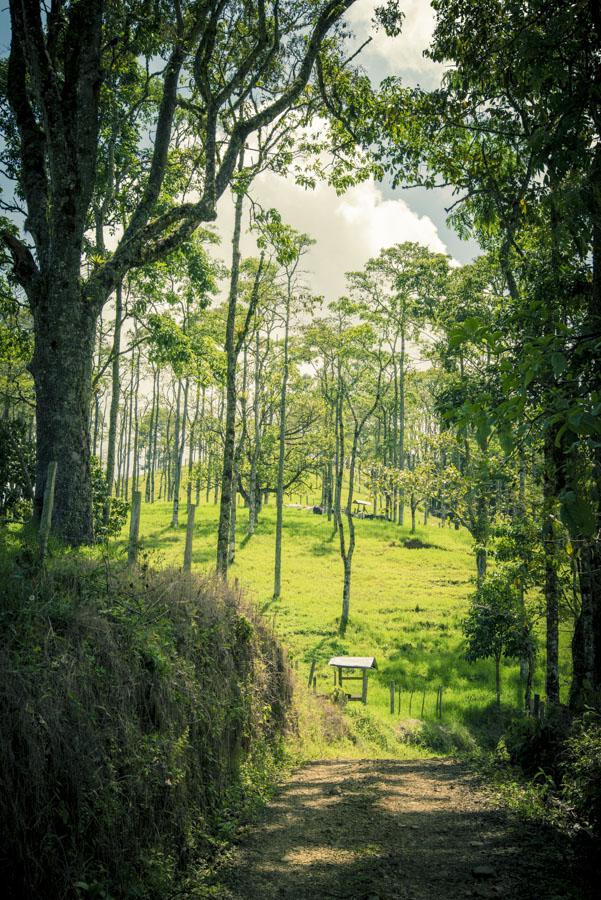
498,679
223,532
401,448
551,579
136,450
132,391
115,394
277,575
347,552
179,447
193,426
252,484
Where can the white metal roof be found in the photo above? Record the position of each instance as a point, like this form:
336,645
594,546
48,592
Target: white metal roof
354,662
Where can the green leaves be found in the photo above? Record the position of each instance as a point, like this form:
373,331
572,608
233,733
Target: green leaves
496,624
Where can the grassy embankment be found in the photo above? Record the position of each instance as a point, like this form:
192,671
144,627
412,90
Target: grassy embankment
406,609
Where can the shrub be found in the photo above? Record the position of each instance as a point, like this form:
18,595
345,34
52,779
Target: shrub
537,746
118,508
17,469
133,705
436,737
581,773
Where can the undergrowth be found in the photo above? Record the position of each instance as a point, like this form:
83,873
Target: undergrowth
142,716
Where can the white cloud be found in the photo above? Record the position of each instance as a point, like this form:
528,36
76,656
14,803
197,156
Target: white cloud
402,55
348,230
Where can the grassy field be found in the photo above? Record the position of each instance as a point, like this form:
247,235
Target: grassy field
406,608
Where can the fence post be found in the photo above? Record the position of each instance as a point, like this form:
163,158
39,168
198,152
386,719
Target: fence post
423,703
134,527
410,700
189,537
46,519
311,671
399,709
392,698
315,684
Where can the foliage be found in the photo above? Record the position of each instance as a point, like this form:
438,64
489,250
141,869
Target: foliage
137,711
581,773
17,469
119,508
535,746
496,623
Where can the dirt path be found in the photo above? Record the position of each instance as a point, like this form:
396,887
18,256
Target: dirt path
384,829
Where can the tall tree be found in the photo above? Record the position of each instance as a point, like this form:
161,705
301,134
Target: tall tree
85,63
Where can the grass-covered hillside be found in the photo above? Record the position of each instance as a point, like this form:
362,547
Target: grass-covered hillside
407,605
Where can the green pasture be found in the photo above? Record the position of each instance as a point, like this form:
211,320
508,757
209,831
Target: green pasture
406,606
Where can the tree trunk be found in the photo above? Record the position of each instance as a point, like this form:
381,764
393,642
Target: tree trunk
231,557
136,450
150,440
498,678
279,521
130,419
179,444
481,563
347,553
401,446
586,641
115,395
552,586
64,328
256,450
193,426
223,532
155,436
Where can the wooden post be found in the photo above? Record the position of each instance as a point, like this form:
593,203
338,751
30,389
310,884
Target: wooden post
311,671
46,520
364,687
392,698
315,684
441,701
536,710
134,527
423,703
399,710
189,537
410,700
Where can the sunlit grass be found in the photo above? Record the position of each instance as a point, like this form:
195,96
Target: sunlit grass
406,605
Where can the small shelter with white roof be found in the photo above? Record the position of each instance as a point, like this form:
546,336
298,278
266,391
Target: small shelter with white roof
360,663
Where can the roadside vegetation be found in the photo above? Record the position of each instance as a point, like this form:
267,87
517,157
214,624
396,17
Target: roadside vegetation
409,469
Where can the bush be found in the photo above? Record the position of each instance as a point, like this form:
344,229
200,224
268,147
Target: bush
17,469
581,773
436,737
118,508
133,706
537,746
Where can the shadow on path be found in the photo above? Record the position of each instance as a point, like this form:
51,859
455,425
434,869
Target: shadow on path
384,829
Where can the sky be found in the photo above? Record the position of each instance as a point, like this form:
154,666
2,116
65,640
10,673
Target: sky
349,229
